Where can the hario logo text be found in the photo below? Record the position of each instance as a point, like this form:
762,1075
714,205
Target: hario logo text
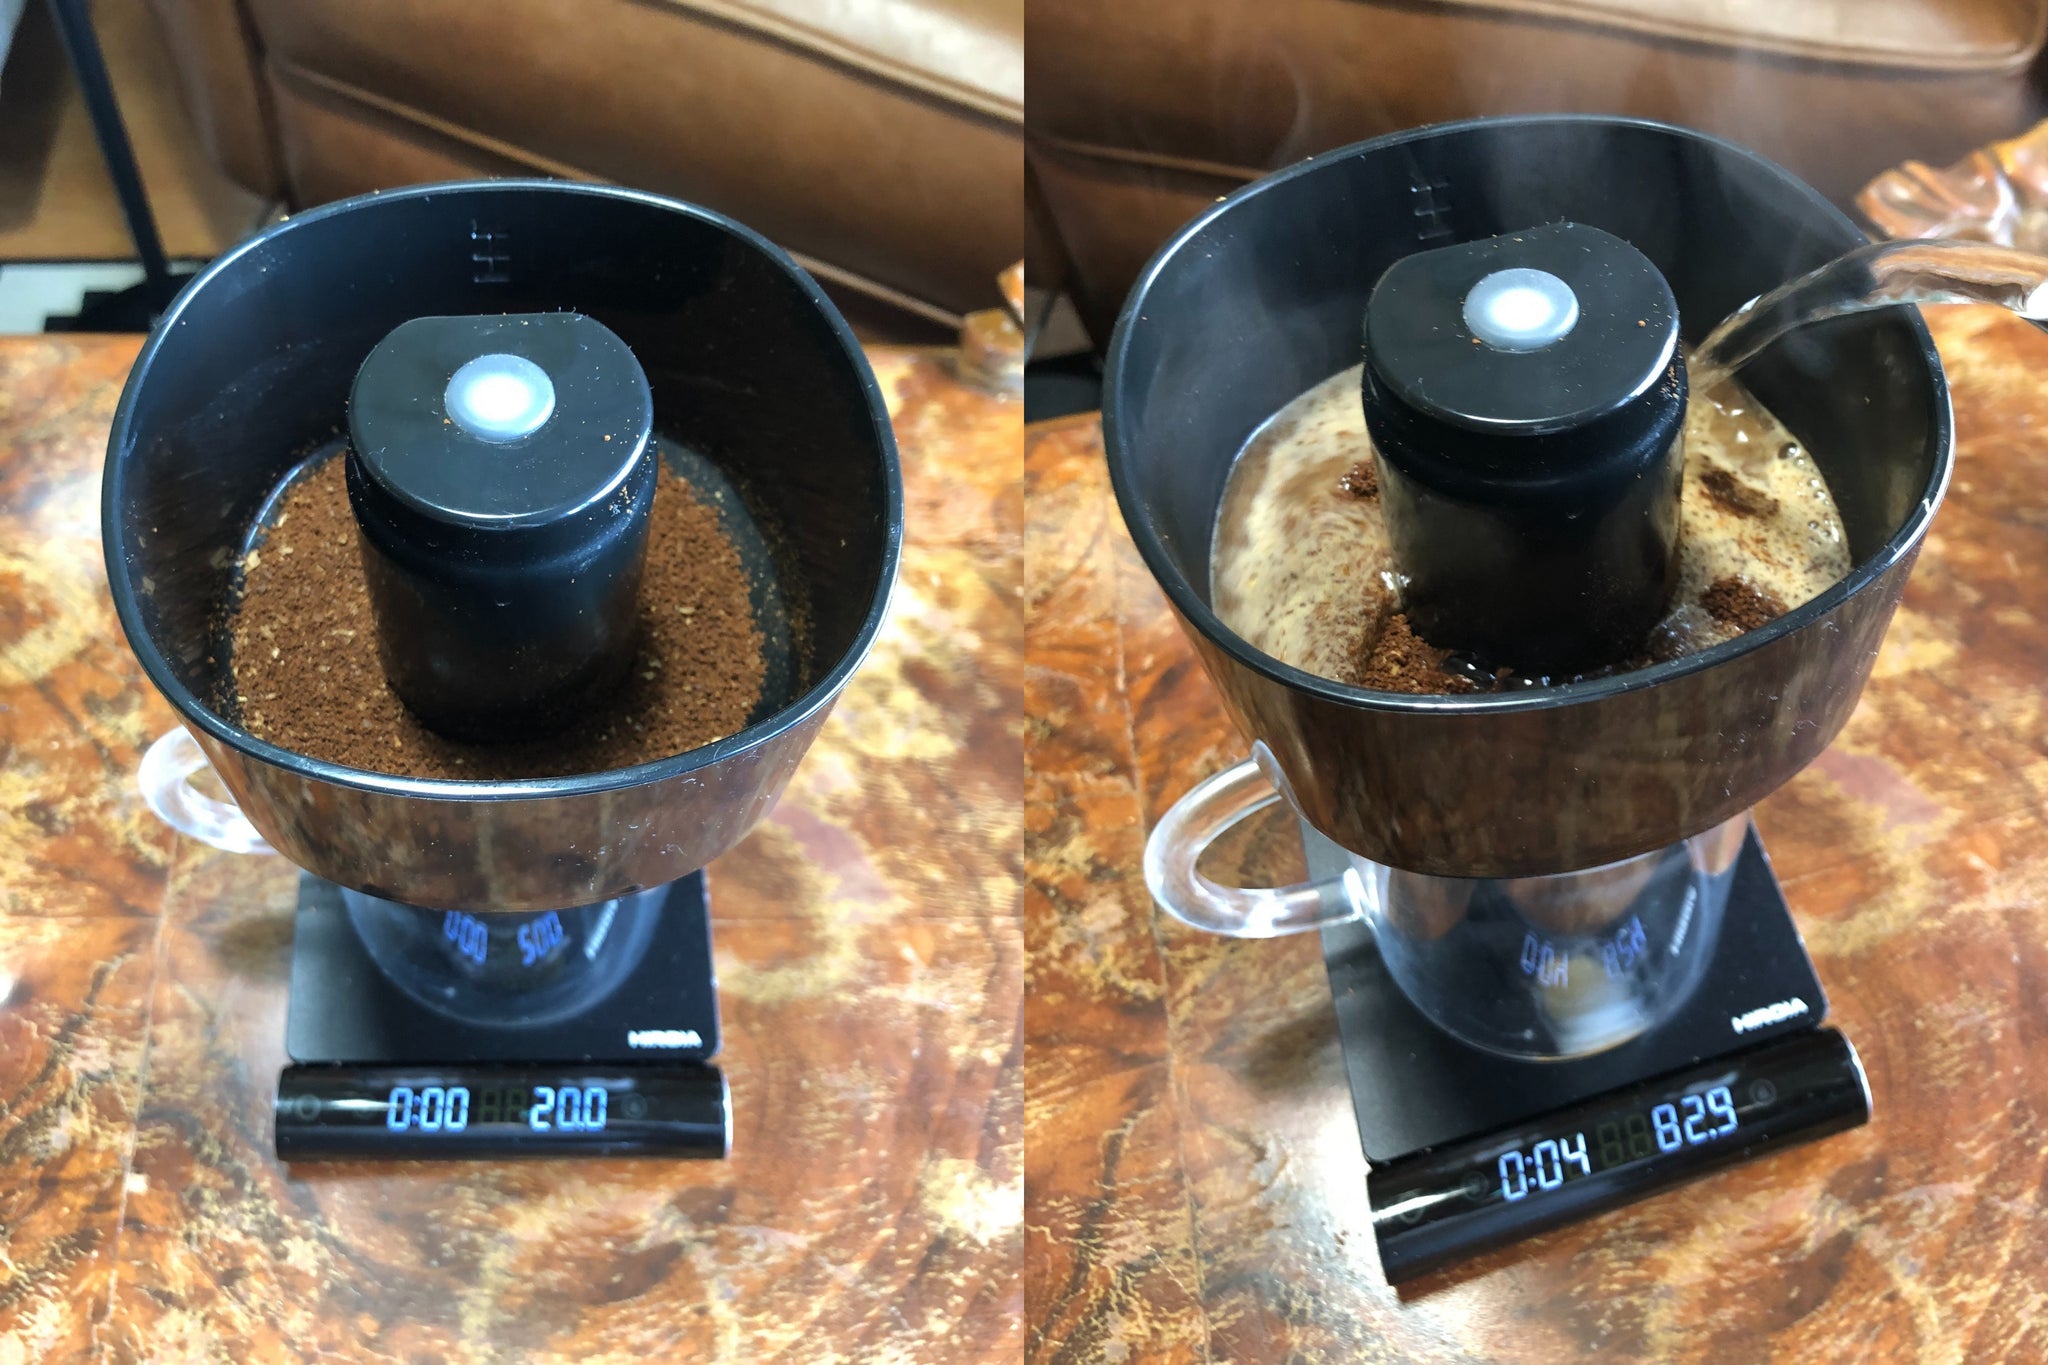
674,1037
1768,1015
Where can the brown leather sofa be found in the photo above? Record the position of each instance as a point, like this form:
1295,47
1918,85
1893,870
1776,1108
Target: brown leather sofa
879,141
1143,111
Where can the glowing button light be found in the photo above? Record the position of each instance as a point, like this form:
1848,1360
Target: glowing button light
500,397
1521,309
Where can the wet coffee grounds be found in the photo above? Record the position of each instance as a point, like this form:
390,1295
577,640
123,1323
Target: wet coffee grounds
1402,661
305,674
1741,605
1744,500
1361,481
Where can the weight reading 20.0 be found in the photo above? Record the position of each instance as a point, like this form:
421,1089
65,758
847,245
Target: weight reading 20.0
1691,1121
543,1108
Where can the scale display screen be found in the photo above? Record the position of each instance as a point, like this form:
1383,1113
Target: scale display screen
326,1112
1452,1201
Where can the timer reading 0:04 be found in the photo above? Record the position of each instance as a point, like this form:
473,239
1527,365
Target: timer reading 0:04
1689,1122
541,1108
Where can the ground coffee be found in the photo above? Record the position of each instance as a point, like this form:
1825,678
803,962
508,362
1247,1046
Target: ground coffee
306,676
1740,604
1402,661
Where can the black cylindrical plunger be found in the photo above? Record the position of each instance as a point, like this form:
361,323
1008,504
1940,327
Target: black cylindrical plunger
502,471
1526,399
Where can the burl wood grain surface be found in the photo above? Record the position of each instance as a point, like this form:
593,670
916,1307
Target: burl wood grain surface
1194,1185
869,954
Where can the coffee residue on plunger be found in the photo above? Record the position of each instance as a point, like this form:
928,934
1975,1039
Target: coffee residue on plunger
305,673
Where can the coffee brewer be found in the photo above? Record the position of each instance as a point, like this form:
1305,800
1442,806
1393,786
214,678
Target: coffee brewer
1563,972
513,966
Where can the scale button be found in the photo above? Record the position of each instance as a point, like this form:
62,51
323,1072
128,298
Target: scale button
1475,1187
1763,1092
306,1106
635,1107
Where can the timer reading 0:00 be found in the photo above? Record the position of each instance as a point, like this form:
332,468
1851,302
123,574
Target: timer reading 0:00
543,1108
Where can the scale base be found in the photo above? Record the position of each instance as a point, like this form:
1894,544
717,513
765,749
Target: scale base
394,1001
346,1009
1470,1149
1414,1086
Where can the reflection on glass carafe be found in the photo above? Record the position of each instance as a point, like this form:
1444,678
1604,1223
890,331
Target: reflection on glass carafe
1542,968
1557,966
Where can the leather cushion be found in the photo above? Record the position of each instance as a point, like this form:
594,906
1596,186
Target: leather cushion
1136,123
867,159
209,44
964,50
1919,35
1247,84
335,146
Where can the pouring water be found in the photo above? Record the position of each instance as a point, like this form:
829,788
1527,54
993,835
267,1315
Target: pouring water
1876,276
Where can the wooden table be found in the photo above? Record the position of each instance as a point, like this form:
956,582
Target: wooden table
1194,1185
868,952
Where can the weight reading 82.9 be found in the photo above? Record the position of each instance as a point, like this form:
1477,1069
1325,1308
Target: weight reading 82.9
1688,1121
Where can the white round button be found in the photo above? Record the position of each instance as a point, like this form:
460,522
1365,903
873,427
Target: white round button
500,397
1521,309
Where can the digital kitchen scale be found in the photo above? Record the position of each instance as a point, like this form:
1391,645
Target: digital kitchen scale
1469,1149
441,1034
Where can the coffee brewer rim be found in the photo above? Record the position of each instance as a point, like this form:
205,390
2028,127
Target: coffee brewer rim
193,711
1193,607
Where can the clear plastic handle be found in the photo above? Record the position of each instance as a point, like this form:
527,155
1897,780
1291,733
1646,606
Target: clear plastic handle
167,771
1174,852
